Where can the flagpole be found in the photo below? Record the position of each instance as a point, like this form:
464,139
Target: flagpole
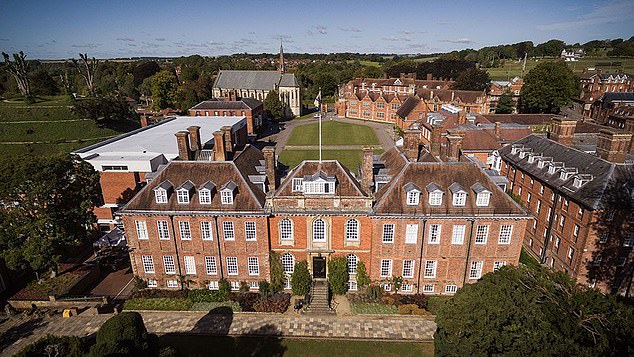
319,109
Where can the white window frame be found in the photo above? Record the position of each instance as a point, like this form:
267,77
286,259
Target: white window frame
353,262
235,285
457,236
141,230
204,196
388,233
408,272
483,199
482,234
162,228
475,271
172,283
232,266
286,231
184,230
226,197
412,198
160,195
182,196
169,264
506,232
434,233
253,266
254,285
430,269
451,289
435,198
386,268
152,283
211,268
250,231
407,288
297,185
213,285
352,230
411,233
428,288
228,231
148,264
190,265
319,230
498,264
460,199
206,230
288,263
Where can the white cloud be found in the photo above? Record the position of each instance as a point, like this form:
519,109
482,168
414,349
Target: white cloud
600,15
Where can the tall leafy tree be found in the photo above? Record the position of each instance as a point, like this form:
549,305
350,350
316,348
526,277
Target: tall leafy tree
506,104
550,48
164,89
274,107
19,69
473,79
521,311
47,207
547,87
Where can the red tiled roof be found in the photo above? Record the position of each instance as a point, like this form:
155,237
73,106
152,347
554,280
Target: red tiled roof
346,184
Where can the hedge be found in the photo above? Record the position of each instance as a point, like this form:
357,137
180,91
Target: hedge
163,304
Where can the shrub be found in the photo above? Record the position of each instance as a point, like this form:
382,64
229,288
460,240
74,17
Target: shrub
277,272
139,284
206,295
208,306
244,287
160,304
245,300
69,346
279,303
224,287
265,288
419,300
397,281
158,293
301,279
388,300
363,279
338,275
407,309
123,334
374,292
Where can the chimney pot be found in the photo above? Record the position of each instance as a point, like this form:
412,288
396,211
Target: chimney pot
269,166
182,139
228,139
219,146
194,138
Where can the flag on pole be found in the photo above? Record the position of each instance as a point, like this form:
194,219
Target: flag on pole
318,100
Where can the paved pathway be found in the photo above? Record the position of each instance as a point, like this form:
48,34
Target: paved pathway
27,330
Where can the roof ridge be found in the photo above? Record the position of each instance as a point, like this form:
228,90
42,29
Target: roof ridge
391,186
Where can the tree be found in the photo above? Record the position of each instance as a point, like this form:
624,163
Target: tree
550,48
533,311
48,208
105,111
473,79
164,87
338,275
547,87
87,68
122,335
301,279
506,104
277,272
145,70
274,107
363,279
19,69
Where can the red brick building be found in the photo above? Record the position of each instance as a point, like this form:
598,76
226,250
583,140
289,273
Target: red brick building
563,187
251,109
594,84
498,88
439,225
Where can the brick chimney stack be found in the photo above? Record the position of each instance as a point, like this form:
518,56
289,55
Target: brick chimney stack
411,143
436,137
429,77
462,117
498,130
184,152
563,130
269,166
367,167
227,137
143,121
612,145
455,144
219,146
194,138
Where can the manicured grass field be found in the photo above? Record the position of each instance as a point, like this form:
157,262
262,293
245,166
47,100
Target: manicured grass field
373,308
193,346
333,133
47,122
349,158
513,68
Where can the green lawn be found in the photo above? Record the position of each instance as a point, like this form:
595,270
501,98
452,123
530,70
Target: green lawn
513,68
373,308
208,306
527,259
349,158
333,133
162,304
193,346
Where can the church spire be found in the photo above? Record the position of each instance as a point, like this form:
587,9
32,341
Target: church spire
281,64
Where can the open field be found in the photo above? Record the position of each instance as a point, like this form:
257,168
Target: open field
192,345
48,126
333,133
514,68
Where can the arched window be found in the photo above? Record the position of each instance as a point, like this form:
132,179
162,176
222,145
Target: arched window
352,263
288,263
319,230
286,229
352,230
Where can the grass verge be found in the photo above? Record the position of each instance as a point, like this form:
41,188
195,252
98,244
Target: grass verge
373,308
333,133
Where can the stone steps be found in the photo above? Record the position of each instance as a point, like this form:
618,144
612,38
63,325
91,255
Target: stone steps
319,303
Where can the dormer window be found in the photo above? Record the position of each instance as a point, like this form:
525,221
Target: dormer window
161,192
184,191
551,169
516,148
581,180
227,193
297,184
483,195
204,193
435,194
459,194
318,184
413,194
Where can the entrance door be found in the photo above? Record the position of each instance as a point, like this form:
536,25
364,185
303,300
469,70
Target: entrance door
319,267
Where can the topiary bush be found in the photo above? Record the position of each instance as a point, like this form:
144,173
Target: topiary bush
224,287
265,288
301,279
277,272
159,293
245,300
374,292
338,275
123,334
363,279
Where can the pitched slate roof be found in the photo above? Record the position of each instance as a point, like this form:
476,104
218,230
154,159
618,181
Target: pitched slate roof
609,97
262,80
391,198
589,194
243,103
410,103
524,119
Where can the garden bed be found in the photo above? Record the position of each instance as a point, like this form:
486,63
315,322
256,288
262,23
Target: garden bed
373,308
376,301
70,281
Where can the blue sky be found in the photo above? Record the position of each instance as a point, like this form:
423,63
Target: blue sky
113,28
